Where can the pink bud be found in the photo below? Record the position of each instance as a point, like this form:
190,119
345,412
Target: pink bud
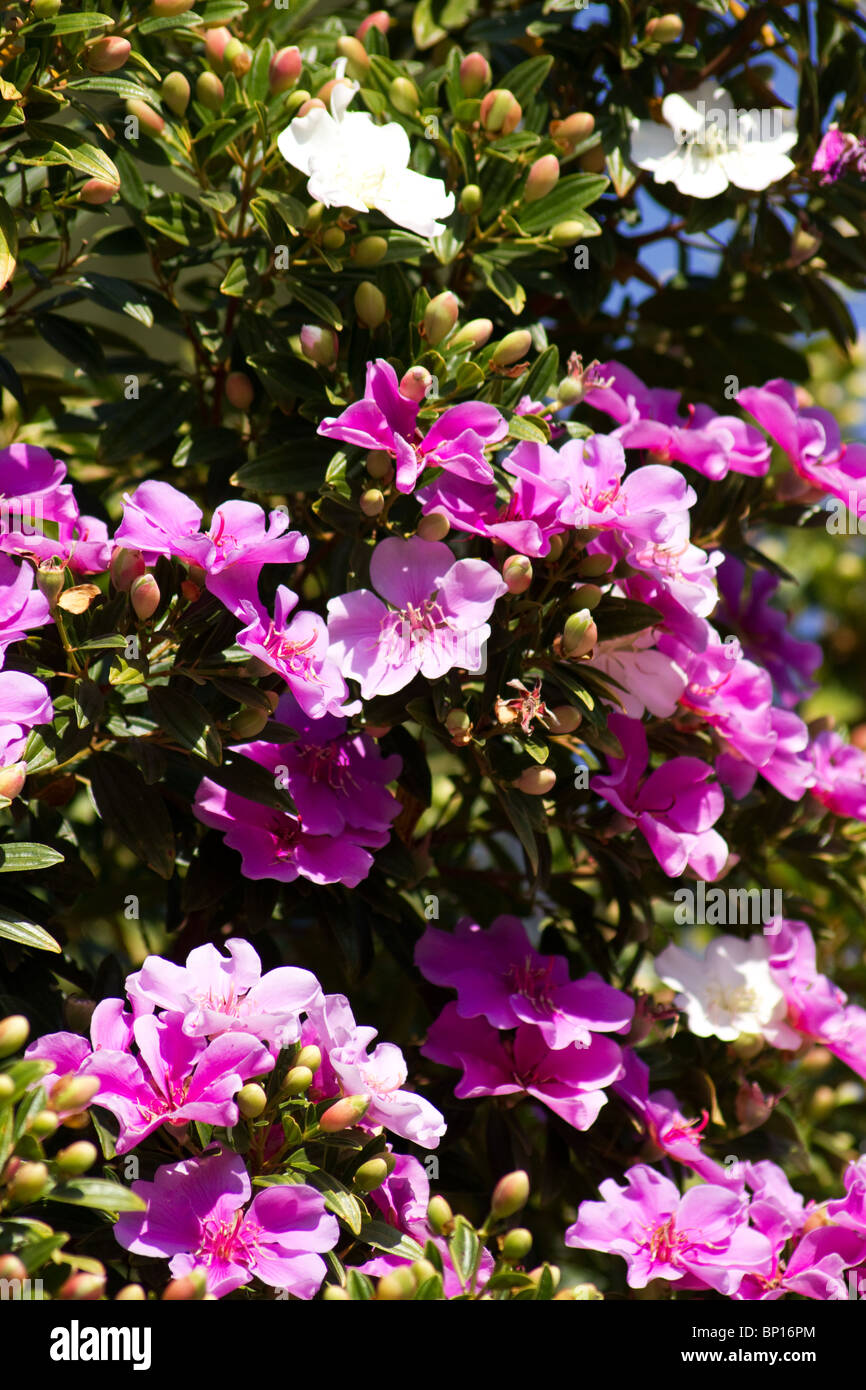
215,41
239,390
12,779
415,384
517,573
475,74
542,178
343,1113
319,345
144,594
107,54
98,191
285,69
501,112
126,566
379,19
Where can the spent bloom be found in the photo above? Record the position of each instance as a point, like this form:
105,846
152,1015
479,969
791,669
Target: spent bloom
199,1216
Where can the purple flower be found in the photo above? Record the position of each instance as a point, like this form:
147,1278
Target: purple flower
160,520
499,976
437,619
216,994
174,1078
674,806
667,1129
809,436
840,775
817,1008
21,606
275,844
837,151
766,631
387,420
699,1240
298,651
337,780
568,1080
197,1218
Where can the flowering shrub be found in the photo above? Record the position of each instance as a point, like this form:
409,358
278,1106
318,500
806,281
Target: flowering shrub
396,619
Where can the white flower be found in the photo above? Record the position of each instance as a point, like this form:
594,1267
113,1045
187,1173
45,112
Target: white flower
729,991
708,143
353,163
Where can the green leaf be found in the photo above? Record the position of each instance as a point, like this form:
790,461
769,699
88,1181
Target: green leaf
98,1193
8,243
360,1288
465,1248
565,204
55,144
384,1237
120,295
134,811
26,933
319,304
120,87
23,856
236,282
80,23
181,219
250,780
188,722
502,283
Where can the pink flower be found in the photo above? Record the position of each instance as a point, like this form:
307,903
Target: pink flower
809,436
700,1240
817,1008
21,606
197,1217
498,975
298,651
837,152
570,1080
840,775
437,619
667,1129
218,995
674,806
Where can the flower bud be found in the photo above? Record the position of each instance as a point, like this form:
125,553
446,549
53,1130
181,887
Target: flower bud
14,1032
237,57
43,1124
82,1288
564,720
369,251
144,595
76,1159
327,89
166,9
215,44
45,9
319,345
440,317
566,233
586,1293
240,391
12,779
344,1113
440,1216
188,1287
247,723
95,192
667,28
475,74
333,1293
415,383
370,1175
542,178
517,573
370,305
209,91
71,1093
579,635
130,1293
594,566
403,95
814,1221
126,566
501,112
473,334
148,119
517,1244
399,1284
535,781
751,1106
7,1091
585,596
175,93
372,502
309,1057
379,463
28,1183
107,54
571,132
358,61
557,545
12,1268
379,19
433,527
512,348
471,199
459,726
284,69
333,238
251,1100
298,1081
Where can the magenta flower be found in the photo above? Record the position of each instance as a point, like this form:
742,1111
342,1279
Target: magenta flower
387,420
766,631
667,1129
217,995
499,976
337,780
816,1007
809,436
298,651
700,1240
24,702
197,1217
174,1078
437,619
732,695
838,151
330,1024
275,844
21,606
840,775
570,1080
674,807
160,520
788,768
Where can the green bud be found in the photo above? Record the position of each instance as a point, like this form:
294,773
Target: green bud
72,1093
7,1089
501,112
343,1114
45,9
473,334
440,317
440,1216
457,721
76,1158
585,596
43,1124
564,720
175,93
333,1293
130,1293
14,1032
247,723
358,59
571,132
370,1175
209,91
403,95
517,1244
28,1183
566,233
379,464
570,391
593,566
517,573
535,781
512,348
372,502
580,634
309,1057
298,1081
369,251
251,1100
397,1285
433,527
510,1194
319,345
333,238
422,1270
471,199
370,305
148,119
667,28
542,178
238,57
